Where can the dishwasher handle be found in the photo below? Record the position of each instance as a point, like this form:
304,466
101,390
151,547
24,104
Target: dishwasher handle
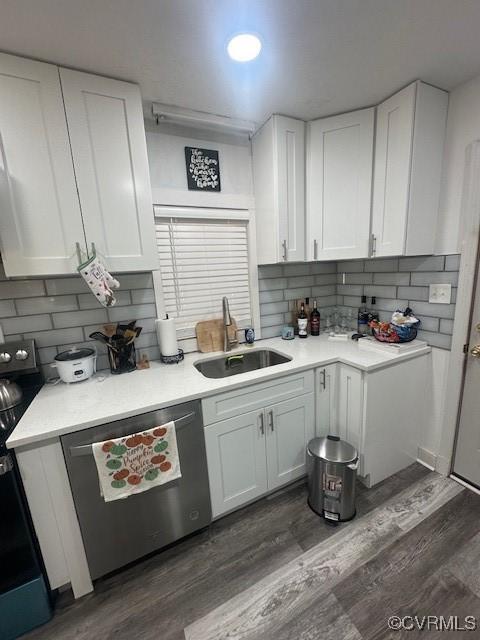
86,449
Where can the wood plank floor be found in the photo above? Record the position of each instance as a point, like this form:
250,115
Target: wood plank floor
274,570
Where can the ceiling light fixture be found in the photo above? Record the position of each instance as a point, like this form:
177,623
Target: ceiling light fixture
244,47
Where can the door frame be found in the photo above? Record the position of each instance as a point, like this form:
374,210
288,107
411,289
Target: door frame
469,248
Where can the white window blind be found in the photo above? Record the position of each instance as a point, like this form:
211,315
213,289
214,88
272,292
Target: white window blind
200,262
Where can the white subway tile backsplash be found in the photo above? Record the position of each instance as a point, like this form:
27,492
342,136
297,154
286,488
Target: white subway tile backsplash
133,312
452,263
21,324
326,278
272,320
381,291
56,336
273,307
270,284
7,308
437,277
350,266
413,293
63,286
89,301
422,263
381,264
446,326
290,270
323,267
300,281
440,340
135,280
46,304
21,289
388,279
75,318
270,271
391,278
297,294
142,296
271,296
46,354
273,331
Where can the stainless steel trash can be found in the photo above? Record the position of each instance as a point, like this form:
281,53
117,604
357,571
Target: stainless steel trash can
332,472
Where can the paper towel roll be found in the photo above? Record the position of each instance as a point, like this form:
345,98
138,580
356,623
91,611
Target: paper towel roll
167,336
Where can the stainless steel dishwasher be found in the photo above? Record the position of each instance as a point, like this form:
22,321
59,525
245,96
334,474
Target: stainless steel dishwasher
115,533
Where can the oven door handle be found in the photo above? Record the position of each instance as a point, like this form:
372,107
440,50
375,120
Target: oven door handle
86,449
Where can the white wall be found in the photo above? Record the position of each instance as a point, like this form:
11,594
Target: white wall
166,155
463,127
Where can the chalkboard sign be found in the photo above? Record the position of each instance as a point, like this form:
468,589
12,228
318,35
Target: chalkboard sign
203,169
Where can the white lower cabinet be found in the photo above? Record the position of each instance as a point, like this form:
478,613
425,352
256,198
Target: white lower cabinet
289,427
326,387
236,460
259,451
350,405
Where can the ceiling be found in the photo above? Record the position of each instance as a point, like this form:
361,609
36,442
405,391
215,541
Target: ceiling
319,56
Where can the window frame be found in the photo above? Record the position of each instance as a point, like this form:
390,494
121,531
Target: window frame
210,213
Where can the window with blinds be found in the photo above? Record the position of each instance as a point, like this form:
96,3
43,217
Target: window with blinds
200,262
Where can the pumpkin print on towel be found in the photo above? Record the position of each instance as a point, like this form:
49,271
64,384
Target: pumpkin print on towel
137,462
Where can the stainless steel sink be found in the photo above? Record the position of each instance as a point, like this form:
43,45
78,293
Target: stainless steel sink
231,365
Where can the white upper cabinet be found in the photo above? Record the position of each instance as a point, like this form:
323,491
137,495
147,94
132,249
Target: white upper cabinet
105,123
408,162
339,185
39,208
279,184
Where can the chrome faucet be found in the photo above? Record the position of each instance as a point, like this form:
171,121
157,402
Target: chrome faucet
228,343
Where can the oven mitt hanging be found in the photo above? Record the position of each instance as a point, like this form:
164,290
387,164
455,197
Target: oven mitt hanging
100,281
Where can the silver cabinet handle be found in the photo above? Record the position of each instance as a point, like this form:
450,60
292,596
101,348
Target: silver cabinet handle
270,418
262,424
374,244
284,245
323,380
315,250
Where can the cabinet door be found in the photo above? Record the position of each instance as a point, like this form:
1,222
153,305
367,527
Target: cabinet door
391,184
41,219
326,414
289,186
105,122
289,426
339,183
350,406
236,461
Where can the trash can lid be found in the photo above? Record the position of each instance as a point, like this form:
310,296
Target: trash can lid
332,449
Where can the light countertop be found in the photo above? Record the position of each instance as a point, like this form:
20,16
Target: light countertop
60,409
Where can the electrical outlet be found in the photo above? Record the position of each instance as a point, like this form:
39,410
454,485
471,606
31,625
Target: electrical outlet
440,293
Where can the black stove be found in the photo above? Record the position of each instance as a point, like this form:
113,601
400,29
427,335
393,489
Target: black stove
24,590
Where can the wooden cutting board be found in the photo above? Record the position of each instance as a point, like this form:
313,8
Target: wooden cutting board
210,334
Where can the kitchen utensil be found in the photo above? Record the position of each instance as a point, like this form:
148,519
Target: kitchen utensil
10,394
167,336
75,364
210,334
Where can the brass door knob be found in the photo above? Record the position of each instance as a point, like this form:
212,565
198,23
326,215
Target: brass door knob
475,351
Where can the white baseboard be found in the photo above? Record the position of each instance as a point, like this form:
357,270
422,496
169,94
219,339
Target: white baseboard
443,465
427,458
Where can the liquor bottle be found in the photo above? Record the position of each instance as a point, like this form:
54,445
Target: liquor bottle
302,321
363,317
315,320
372,314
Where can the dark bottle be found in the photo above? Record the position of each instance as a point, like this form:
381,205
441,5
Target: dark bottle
373,314
315,320
363,317
302,321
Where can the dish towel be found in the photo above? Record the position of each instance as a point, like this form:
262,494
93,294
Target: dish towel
137,462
